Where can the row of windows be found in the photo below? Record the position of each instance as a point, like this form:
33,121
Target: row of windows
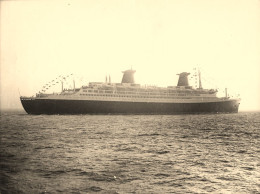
126,96
145,92
136,95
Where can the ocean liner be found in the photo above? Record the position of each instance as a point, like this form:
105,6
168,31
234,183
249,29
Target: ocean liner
128,97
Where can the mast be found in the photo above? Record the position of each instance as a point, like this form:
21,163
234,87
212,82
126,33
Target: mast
74,85
200,85
226,92
61,86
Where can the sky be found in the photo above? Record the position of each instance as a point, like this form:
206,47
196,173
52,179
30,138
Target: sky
91,39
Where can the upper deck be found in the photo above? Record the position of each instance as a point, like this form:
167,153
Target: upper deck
134,93
128,90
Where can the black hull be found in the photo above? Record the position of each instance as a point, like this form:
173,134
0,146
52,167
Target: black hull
50,106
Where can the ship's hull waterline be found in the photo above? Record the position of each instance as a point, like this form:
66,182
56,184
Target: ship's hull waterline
52,106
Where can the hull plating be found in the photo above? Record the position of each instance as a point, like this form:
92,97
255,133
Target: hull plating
47,106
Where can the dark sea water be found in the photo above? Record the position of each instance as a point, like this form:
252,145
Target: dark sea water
215,153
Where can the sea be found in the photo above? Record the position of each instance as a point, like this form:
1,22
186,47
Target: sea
199,153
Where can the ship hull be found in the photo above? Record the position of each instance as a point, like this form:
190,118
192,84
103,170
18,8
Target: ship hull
52,106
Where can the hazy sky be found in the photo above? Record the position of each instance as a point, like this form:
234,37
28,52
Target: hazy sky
41,40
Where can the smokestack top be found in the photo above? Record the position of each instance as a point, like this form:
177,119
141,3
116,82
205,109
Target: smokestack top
183,79
128,76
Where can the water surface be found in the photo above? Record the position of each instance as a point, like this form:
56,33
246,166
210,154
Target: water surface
217,153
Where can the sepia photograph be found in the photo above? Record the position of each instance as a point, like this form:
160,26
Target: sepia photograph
129,96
